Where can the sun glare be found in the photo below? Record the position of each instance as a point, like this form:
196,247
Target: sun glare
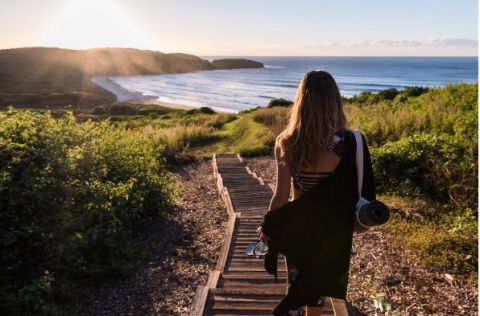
88,23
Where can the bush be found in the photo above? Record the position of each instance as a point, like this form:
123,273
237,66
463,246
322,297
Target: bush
414,91
71,197
206,110
363,97
387,94
203,109
153,109
152,116
123,109
439,166
279,102
99,110
367,97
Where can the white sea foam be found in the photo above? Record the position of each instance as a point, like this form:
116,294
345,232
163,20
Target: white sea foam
271,66
241,89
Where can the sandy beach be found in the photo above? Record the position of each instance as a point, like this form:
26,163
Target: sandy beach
125,95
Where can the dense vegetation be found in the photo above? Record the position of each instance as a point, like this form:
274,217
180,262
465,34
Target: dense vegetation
71,196
74,190
424,149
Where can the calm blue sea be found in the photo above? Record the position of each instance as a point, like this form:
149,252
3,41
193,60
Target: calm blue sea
240,89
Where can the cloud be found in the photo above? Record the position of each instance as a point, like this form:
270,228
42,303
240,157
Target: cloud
430,42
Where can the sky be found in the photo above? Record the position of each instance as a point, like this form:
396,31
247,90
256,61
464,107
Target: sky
247,27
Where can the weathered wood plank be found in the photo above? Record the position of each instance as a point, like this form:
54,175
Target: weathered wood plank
222,259
339,307
199,301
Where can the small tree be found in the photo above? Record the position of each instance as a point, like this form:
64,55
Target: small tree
279,102
388,94
206,110
99,110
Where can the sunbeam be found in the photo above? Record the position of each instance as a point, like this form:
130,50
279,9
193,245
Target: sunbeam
88,23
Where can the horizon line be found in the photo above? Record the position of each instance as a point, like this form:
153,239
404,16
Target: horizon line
233,55
337,55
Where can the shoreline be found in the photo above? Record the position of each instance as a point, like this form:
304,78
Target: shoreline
124,95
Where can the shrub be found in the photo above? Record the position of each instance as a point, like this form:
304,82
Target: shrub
279,102
203,109
153,109
363,97
191,111
206,110
436,165
387,94
414,91
71,197
99,110
123,109
367,97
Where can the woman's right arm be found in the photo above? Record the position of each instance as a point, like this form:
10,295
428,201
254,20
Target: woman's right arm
284,174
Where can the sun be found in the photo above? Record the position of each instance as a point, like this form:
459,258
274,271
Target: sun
83,24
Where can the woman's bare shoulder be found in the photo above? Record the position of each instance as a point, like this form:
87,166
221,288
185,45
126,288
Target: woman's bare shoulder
280,153
278,139
279,143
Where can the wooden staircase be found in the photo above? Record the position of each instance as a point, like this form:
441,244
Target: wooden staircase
239,284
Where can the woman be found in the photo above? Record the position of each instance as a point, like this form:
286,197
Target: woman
315,147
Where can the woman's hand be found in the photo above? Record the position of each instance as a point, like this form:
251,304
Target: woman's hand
261,235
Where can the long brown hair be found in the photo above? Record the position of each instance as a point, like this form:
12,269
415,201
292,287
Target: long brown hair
315,116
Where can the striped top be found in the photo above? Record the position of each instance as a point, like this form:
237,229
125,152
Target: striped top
304,181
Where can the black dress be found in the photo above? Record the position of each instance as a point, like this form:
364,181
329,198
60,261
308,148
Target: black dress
314,232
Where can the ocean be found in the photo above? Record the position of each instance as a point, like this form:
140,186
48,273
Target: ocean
240,89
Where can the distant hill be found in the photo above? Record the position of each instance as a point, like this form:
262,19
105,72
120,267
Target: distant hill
236,63
39,76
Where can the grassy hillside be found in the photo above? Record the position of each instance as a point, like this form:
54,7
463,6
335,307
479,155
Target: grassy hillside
56,77
424,149
74,190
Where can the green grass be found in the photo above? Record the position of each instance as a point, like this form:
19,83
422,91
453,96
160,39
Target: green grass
242,135
437,234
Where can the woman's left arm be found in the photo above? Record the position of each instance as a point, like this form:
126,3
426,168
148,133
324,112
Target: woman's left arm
368,186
